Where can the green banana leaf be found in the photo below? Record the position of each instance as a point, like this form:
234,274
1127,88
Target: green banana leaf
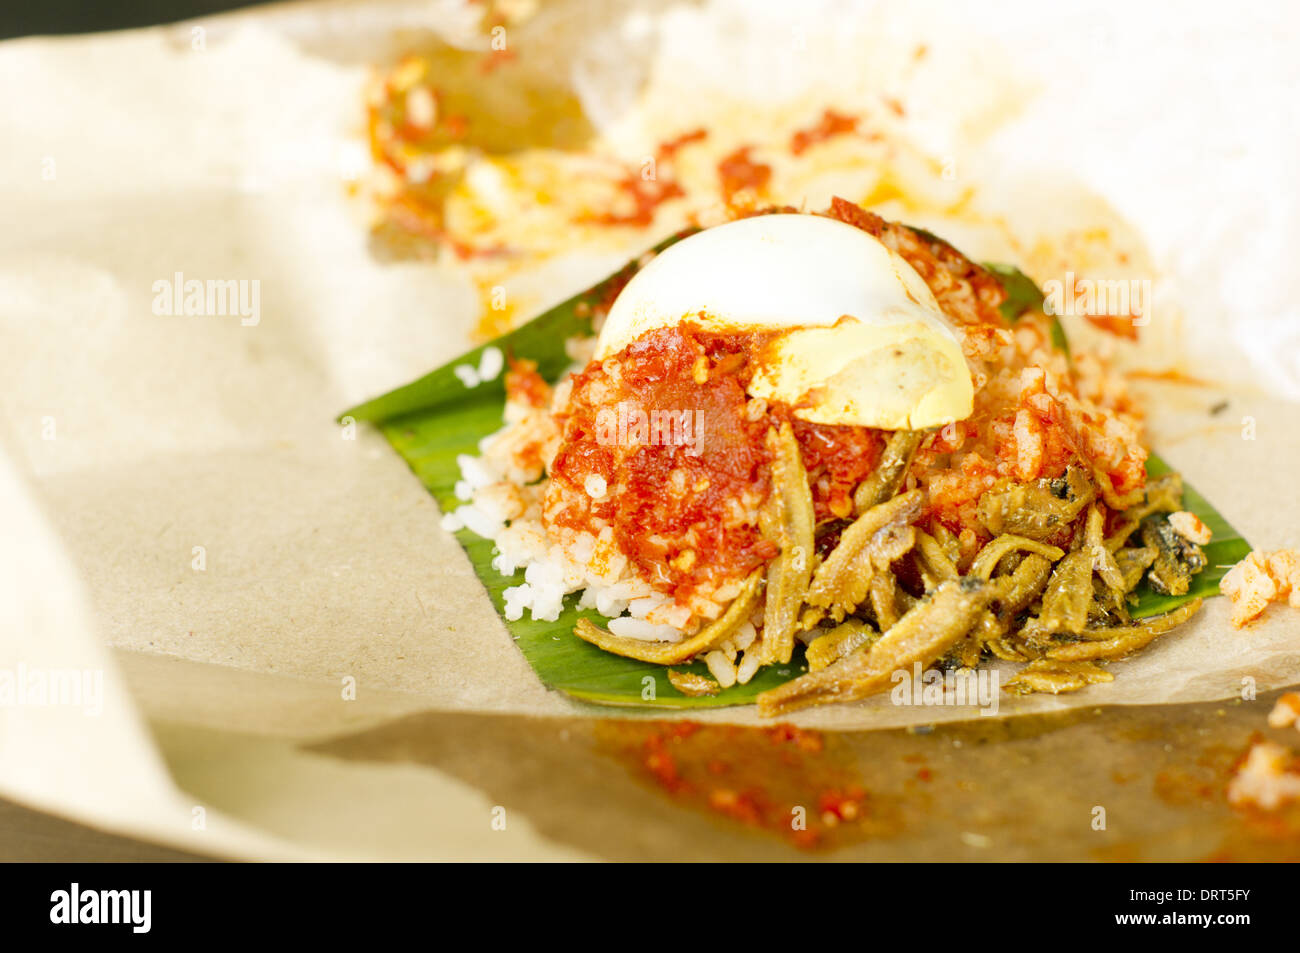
1225,549
433,420
1023,294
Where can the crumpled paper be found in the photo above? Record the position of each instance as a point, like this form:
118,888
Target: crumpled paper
180,494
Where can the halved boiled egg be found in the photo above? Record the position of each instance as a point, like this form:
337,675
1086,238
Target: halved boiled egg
855,335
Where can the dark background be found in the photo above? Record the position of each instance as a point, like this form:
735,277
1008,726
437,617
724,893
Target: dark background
27,17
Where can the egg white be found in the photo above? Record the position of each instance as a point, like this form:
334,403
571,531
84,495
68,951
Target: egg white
859,336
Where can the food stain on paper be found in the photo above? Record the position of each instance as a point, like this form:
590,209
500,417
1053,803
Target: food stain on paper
500,191
1018,788
787,782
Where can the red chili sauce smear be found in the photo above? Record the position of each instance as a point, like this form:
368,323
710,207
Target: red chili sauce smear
682,498
830,125
738,172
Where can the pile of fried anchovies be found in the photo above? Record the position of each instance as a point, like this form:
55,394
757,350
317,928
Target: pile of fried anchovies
1022,598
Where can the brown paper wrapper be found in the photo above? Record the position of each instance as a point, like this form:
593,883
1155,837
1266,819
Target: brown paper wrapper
253,586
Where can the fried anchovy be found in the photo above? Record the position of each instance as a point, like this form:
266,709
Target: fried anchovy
1133,563
888,476
1025,584
1008,563
787,520
675,653
934,558
1164,494
1055,677
947,540
1177,558
1039,509
1012,594
923,635
889,544
1108,606
1068,595
841,641
882,594
992,553
988,628
1107,567
692,685
1118,641
1104,564
1011,650
877,536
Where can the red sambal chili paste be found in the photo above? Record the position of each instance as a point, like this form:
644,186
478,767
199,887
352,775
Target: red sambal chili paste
666,430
